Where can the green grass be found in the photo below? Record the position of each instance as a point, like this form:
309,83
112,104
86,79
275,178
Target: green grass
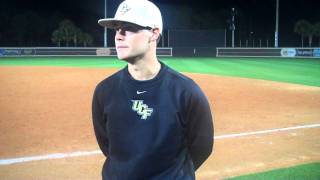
301,172
299,71
62,61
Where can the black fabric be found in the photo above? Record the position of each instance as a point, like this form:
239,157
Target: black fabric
156,129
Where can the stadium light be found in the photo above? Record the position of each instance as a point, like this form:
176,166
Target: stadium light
276,37
105,29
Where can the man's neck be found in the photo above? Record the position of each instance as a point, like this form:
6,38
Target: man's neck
144,69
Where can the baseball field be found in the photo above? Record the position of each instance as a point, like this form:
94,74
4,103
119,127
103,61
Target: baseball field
266,116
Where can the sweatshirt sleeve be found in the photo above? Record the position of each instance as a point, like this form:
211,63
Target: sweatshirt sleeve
99,122
199,127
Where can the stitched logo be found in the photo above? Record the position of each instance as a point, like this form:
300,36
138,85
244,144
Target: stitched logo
141,92
124,9
142,109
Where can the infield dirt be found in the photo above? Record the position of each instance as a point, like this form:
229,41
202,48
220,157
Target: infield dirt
46,110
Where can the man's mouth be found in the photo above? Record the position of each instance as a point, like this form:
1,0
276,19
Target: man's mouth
121,47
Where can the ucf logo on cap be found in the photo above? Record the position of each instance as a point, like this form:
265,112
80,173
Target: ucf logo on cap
124,9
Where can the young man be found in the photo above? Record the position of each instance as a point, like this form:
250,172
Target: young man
151,122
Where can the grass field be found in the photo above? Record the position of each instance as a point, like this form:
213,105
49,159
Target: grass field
299,71
306,171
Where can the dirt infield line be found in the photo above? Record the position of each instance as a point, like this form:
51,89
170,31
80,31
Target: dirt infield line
266,131
89,153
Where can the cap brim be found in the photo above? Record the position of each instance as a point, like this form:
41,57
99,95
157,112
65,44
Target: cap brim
111,22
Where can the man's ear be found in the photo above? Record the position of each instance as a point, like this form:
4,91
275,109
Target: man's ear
155,34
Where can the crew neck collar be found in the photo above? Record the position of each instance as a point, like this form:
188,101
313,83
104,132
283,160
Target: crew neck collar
149,82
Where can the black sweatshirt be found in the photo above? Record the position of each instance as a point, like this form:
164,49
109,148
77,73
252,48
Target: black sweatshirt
152,130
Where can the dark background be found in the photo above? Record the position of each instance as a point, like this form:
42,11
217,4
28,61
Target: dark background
31,22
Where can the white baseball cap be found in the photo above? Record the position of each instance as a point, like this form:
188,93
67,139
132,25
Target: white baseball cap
141,12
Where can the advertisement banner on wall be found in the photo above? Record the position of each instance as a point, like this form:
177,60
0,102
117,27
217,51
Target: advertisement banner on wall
304,52
300,52
316,52
28,52
10,52
288,52
17,52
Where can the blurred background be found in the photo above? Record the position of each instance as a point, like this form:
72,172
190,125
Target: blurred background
38,23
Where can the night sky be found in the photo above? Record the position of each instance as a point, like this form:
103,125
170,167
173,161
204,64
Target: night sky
254,17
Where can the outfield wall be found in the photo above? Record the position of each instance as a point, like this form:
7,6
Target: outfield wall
168,51
98,51
269,52
63,51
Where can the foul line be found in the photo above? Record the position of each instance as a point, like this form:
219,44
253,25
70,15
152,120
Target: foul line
48,156
89,153
266,131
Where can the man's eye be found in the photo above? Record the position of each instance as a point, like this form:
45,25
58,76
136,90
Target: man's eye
127,29
130,29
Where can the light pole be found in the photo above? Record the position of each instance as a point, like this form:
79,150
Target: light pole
105,29
233,27
276,36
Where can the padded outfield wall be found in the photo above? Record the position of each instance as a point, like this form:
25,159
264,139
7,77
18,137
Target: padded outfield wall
269,52
168,51
63,51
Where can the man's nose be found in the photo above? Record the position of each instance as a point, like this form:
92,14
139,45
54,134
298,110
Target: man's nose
120,34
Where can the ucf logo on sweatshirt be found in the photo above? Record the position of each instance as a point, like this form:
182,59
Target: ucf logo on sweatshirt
142,109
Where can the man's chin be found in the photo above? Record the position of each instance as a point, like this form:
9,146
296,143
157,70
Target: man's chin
127,59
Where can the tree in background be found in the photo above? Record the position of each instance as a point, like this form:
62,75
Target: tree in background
76,36
86,39
305,29
68,31
57,37
310,33
300,28
317,31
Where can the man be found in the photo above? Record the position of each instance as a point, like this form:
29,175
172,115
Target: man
151,122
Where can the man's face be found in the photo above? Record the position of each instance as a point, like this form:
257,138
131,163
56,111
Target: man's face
132,41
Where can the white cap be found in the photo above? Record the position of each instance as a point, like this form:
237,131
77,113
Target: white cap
141,12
